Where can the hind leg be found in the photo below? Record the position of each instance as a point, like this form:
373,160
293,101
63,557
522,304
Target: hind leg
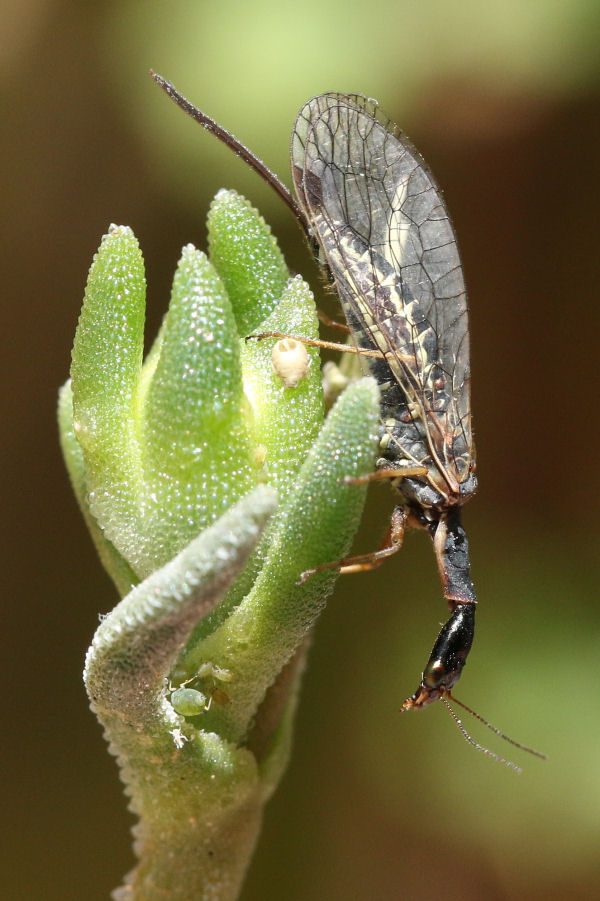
391,544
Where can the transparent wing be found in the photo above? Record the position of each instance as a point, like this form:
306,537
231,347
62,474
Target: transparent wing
379,218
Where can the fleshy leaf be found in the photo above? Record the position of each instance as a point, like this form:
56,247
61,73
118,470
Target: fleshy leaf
165,456
247,257
316,526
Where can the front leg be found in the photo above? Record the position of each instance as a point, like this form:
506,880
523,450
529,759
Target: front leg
410,470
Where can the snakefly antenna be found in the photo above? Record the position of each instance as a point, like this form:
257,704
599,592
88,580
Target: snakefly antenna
449,697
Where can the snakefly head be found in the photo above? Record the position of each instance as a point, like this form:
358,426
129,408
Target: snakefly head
382,231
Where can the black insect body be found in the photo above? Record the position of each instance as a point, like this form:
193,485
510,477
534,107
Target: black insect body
385,236
379,226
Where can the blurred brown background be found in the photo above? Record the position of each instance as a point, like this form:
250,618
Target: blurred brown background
503,100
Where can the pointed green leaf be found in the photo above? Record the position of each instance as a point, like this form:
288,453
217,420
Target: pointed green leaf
196,453
247,257
316,526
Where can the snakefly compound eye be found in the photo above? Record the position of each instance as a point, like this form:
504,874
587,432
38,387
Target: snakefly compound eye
377,221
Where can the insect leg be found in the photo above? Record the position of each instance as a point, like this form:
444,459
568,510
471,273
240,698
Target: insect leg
331,323
411,470
391,544
313,342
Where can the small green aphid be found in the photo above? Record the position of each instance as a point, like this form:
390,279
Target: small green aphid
212,670
188,701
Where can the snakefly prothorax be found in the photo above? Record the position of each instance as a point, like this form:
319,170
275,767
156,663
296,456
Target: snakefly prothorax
378,224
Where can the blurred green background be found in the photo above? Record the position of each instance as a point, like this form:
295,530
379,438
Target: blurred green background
503,100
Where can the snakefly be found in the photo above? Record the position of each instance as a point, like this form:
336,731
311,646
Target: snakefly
377,222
